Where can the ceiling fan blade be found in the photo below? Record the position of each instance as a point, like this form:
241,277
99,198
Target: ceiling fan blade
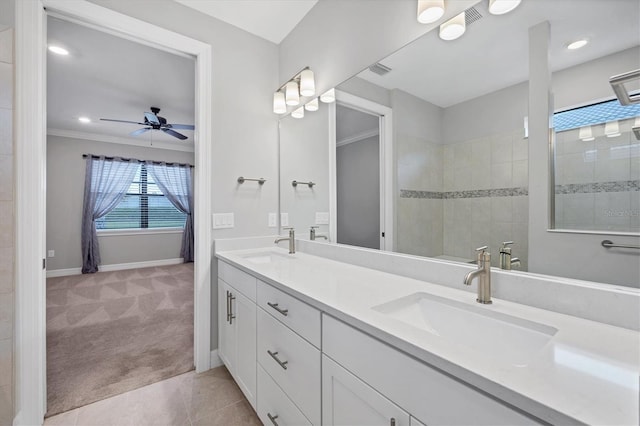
140,131
122,121
151,118
181,126
175,134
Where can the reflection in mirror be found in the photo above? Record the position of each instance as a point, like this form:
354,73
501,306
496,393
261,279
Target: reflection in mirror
461,154
597,168
304,157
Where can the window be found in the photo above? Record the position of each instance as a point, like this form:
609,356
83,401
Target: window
144,206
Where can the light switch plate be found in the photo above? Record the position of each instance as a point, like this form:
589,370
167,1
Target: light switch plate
273,220
284,219
322,218
223,220
51,253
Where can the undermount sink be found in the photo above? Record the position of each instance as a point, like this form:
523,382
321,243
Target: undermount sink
477,328
266,257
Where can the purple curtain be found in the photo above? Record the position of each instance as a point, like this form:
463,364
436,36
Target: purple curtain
176,183
105,184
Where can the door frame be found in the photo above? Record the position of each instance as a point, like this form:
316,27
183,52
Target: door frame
30,174
387,193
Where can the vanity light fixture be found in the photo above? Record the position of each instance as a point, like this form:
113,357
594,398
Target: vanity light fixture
577,44
612,129
58,50
292,96
328,96
279,104
586,134
288,94
298,113
313,105
430,10
454,27
307,83
500,7
84,120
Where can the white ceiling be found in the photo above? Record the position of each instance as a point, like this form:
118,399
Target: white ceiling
270,19
493,53
105,76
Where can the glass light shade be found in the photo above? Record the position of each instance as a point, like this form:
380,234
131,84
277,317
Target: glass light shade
328,96
291,93
307,84
84,120
430,10
612,129
279,105
299,113
312,106
453,28
500,7
586,134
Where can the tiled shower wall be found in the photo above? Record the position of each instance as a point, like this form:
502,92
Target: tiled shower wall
598,182
460,196
6,227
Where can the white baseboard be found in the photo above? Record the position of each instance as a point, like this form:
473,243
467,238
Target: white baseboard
116,267
215,359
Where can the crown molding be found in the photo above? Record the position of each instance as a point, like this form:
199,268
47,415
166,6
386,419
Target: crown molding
182,146
357,137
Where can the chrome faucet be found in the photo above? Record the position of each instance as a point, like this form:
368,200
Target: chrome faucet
313,236
506,261
483,273
291,239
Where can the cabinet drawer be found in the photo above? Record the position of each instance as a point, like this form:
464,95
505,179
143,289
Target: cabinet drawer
292,362
297,315
240,280
274,404
417,388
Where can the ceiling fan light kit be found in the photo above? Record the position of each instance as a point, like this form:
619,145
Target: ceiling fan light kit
152,121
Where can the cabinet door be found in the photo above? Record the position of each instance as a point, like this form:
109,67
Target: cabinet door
226,329
346,400
244,322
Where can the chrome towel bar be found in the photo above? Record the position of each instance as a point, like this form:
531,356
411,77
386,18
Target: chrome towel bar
296,183
611,244
242,179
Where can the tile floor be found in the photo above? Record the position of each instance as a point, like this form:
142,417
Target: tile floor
190,399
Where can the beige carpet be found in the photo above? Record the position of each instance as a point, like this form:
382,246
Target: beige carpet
111,332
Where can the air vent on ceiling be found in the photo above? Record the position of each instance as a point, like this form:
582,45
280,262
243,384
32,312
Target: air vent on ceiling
471,15
379,69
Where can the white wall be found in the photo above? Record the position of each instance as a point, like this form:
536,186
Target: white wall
65,192
7,213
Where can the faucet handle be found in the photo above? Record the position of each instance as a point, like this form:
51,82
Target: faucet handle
507,243
315,227
288,227
482,249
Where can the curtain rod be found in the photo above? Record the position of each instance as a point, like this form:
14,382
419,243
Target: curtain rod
135,159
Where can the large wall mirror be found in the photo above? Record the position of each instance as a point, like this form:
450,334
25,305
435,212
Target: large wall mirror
459,168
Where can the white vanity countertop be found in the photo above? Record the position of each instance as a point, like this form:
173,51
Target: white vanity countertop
588,372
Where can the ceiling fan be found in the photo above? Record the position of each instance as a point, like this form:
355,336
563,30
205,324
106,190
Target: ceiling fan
153,121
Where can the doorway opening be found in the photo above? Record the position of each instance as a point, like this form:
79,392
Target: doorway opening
30,131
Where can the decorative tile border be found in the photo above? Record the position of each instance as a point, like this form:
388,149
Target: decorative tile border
477,193
590,188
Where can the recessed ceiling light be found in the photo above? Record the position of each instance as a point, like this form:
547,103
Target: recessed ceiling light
59,50
577,44
84,119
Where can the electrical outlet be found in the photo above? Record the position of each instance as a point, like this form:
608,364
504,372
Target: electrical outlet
223,220
322,218
284,219
51,253
273,220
